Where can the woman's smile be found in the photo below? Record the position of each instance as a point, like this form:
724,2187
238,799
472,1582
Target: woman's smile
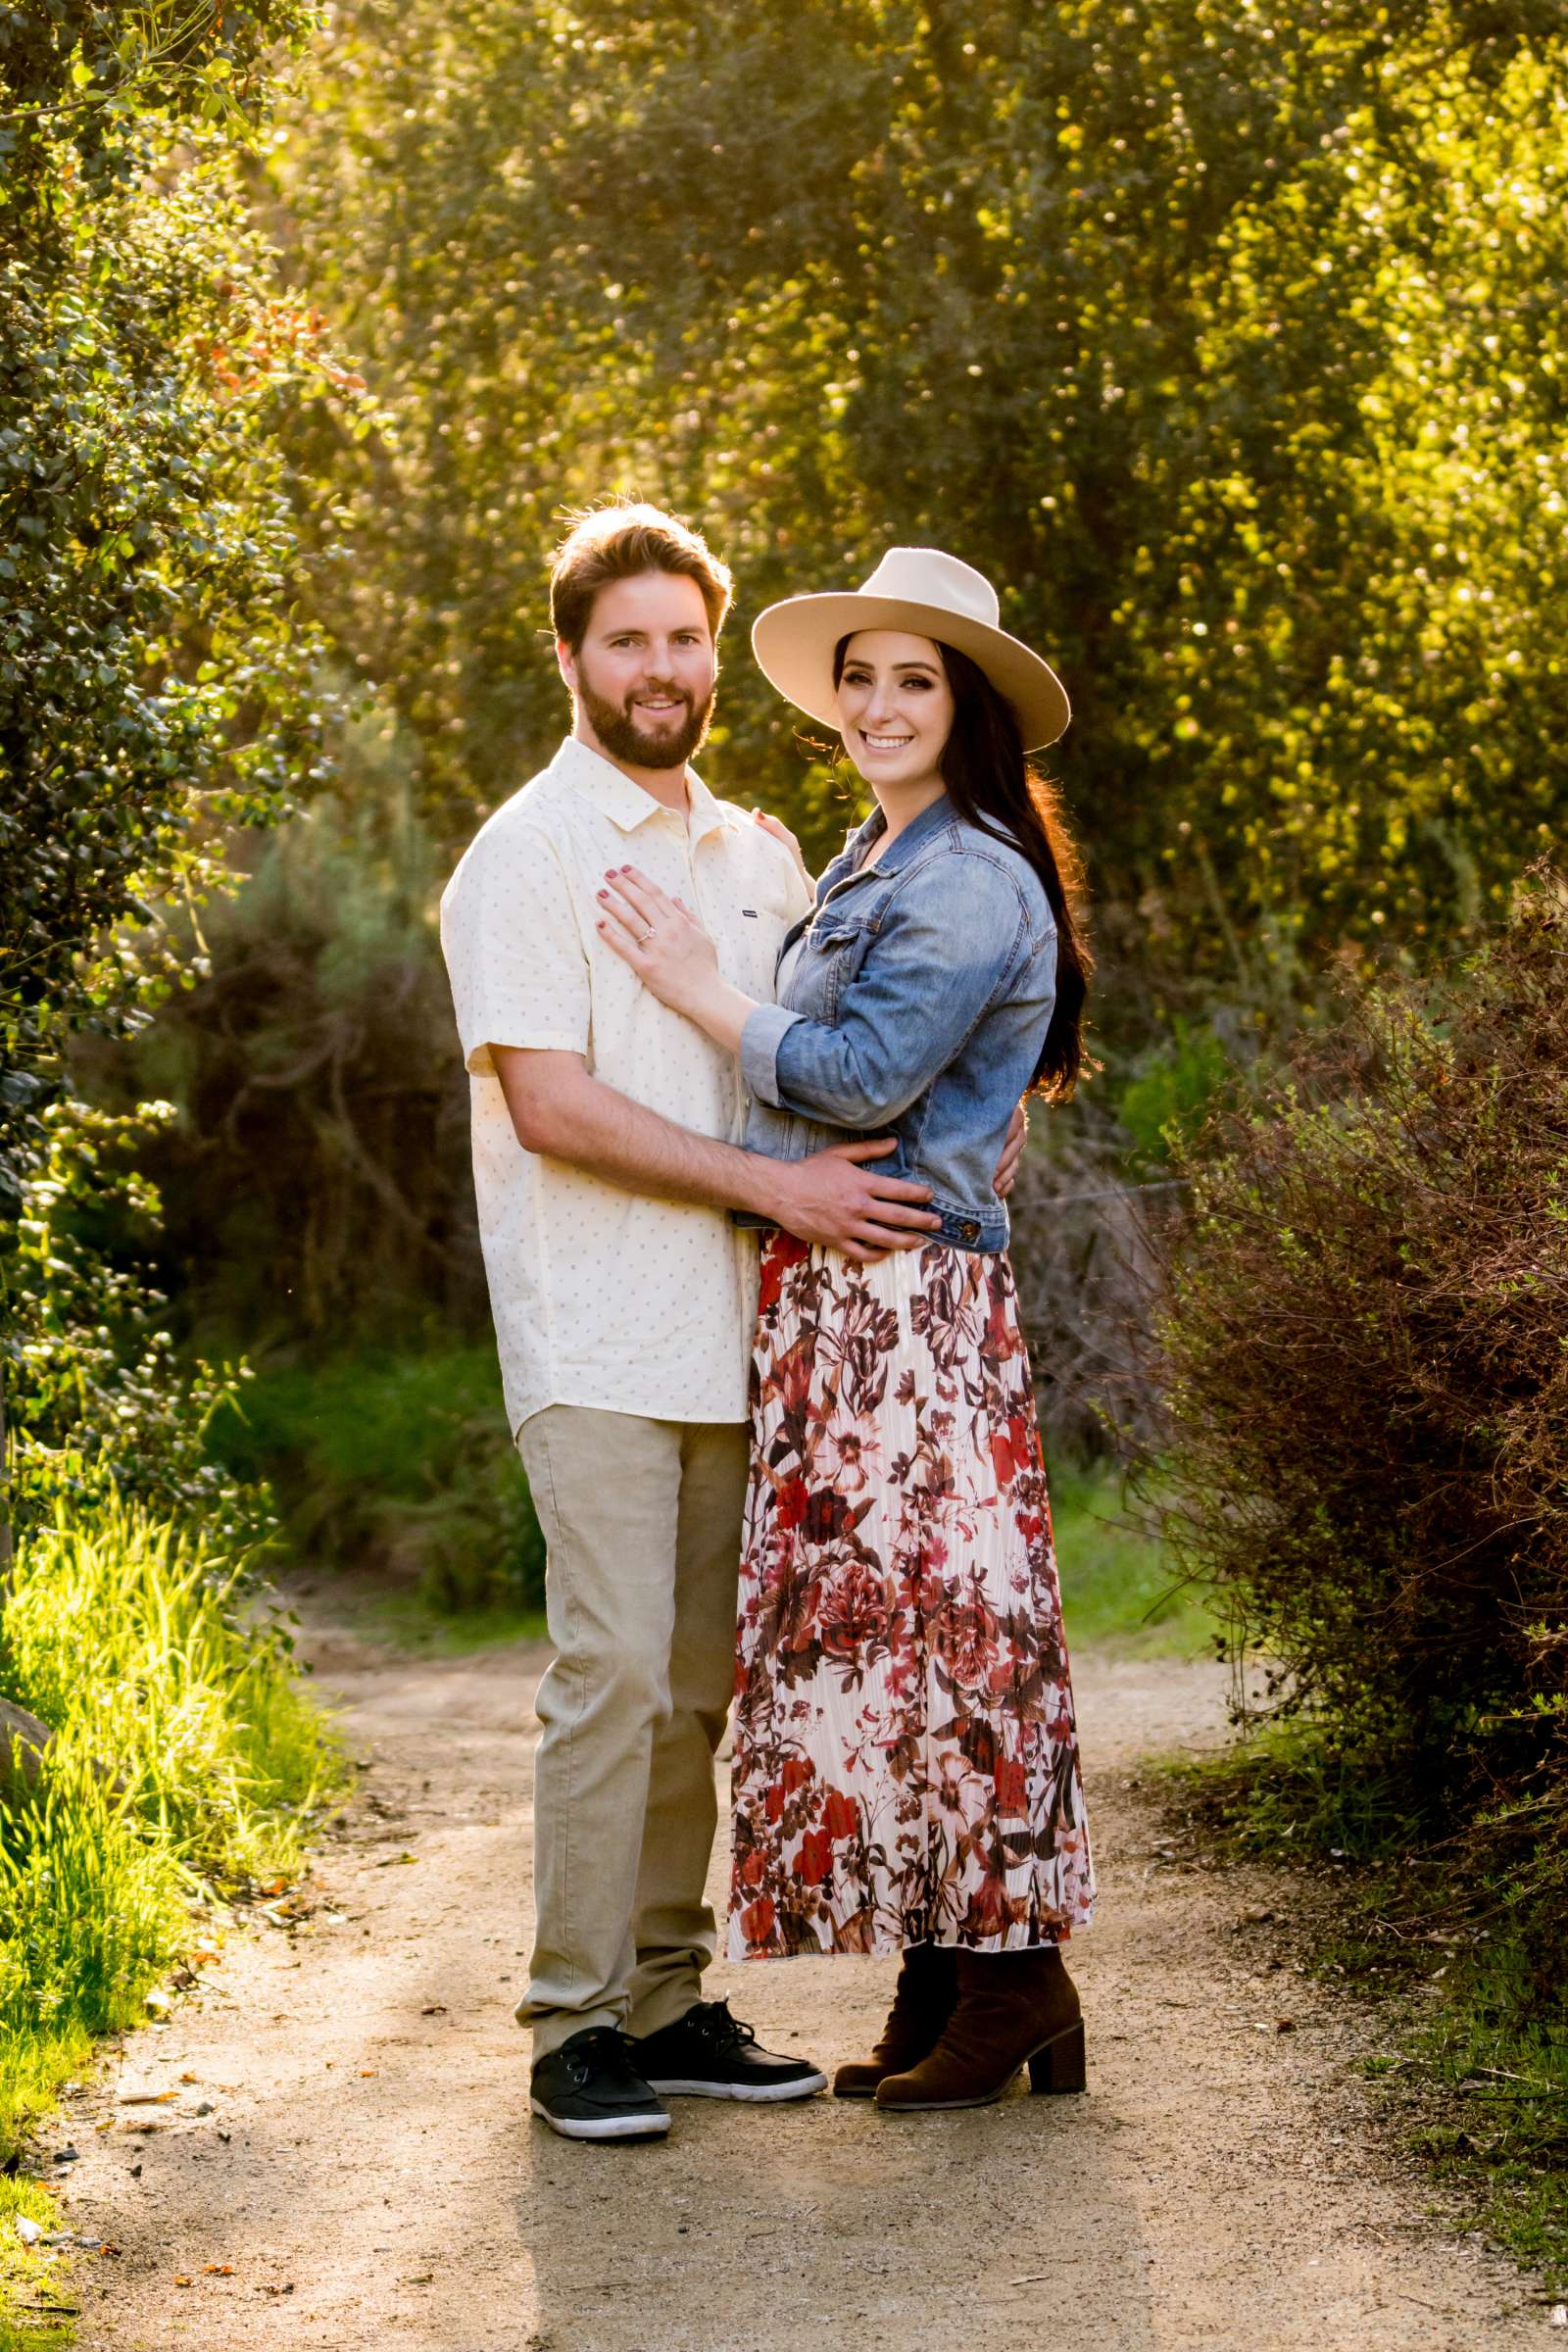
894,711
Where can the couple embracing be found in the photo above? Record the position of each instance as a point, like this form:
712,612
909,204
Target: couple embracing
742,1142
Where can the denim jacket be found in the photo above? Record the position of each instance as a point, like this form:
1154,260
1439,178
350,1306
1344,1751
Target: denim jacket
913,1002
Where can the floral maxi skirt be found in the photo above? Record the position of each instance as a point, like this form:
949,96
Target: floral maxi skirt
906,1756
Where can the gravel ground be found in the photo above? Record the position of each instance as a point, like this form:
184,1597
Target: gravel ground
366,2173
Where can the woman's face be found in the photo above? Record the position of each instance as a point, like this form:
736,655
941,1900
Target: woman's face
895,707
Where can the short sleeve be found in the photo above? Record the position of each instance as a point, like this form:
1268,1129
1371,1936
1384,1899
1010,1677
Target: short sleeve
799,896
802,899
515,955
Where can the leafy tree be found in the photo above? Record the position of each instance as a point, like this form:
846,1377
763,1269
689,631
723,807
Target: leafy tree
1223,337
155,684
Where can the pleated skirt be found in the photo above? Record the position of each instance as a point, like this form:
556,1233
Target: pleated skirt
905,1751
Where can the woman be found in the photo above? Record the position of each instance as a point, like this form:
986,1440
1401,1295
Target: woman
905,1760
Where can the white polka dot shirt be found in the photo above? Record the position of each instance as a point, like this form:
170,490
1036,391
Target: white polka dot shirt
601,1296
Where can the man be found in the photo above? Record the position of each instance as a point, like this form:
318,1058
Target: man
624,1296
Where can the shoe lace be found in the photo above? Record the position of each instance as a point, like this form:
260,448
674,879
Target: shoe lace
604,2051
724,2031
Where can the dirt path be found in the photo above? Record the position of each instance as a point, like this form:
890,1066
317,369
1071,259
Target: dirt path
369,2171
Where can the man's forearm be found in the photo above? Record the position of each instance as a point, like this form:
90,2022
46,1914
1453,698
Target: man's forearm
592,1126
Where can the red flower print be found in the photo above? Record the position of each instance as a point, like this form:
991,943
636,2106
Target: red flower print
978,1741
783,1251
855,1614
988,1911
906,1764
758,1919
814,1861
841,1815
790,1508
969,1641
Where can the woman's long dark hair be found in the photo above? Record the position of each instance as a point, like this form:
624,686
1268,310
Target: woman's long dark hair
995,789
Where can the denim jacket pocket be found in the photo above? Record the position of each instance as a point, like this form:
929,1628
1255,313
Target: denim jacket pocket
831,953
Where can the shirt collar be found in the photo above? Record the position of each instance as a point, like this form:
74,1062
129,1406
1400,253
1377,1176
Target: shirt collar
625,803
898,854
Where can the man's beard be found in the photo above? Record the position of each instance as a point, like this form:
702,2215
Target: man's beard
617,728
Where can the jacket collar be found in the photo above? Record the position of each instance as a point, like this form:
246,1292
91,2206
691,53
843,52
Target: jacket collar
625,803
897,855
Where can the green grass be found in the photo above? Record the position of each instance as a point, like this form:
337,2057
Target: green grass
1466,1960
400,1463
187,1760
415,1624
33,2276
1494,2058
1118,1589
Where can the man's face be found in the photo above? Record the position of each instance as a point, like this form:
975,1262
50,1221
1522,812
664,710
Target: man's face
643,676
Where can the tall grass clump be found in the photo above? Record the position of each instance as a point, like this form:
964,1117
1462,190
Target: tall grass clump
185,1760
1363,1352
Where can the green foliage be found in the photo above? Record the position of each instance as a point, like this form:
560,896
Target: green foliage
398,1461
95,1395
153,680
83,82
1367,1395
1173,1089
192,1695
315,1168
28,2273
157,685
1497,2054
186,1761
1224,339
1117,1588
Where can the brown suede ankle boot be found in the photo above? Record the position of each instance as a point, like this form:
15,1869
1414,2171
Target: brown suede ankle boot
922,2003
1013,2009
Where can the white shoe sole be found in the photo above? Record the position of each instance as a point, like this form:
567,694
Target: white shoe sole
762,2094
614,2126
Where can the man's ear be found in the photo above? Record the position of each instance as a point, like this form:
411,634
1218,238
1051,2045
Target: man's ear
566,663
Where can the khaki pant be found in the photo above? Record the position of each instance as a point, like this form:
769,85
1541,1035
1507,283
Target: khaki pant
642,1524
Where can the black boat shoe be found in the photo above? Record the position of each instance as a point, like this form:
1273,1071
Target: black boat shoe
707,2055
591,2089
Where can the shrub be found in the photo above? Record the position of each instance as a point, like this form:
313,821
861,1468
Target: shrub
96,1401
1172,1091
1364,1357
399,1462
315,1174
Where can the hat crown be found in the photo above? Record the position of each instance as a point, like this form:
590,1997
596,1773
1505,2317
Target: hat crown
926,575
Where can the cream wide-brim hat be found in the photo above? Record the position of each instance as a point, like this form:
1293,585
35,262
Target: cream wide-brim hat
934,595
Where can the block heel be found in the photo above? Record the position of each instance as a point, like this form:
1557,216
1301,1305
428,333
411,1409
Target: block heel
1061,2065
1013,2008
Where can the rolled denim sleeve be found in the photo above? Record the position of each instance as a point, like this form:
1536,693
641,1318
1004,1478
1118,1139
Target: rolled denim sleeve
949,943
765,1026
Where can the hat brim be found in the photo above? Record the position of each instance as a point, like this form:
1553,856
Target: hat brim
794,643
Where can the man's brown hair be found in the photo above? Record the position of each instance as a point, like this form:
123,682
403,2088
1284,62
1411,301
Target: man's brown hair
616,542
